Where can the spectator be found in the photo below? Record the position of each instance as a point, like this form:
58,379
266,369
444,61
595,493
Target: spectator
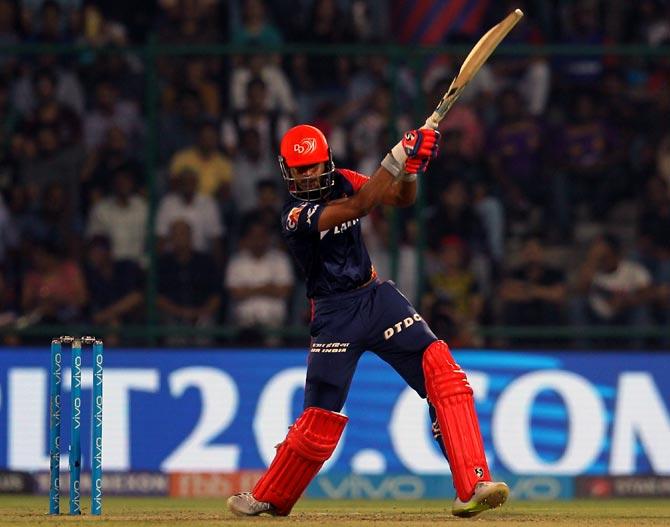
9,265
653,24
371,20
530,74
326,24
617,104
590,159
279,92
619,291
9,234
654,228
69,90
114,288
51,27
454,216
515,152
453,304
259,280
8,307
179,129
197,78
617,138
328,118
110,111
464,120
533,293
205,159
138,22
190,22
654,244
122,219
185,278
9,119
377,233
369,160
49,111
481,89
9,35
47,161
256,29
583,27
230,217
53,218
251,166
450,164
102,163
98,31
372,72
364,137
198,210
126,70
54,290
270,125
492,218
659,76
268,207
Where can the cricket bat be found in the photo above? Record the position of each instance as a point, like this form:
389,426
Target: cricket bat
471,65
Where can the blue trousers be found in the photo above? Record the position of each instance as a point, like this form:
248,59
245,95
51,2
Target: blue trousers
376,317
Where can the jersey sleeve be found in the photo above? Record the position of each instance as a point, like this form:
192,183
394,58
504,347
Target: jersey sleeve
302,218
356,179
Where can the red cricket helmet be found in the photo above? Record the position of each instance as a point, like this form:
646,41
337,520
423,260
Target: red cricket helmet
305,145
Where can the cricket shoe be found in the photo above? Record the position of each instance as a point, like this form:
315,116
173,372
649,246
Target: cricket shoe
244,504
487,495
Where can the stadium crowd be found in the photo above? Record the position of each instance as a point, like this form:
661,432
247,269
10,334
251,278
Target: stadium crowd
549,203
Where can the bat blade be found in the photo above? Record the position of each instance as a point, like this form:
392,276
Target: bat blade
471,65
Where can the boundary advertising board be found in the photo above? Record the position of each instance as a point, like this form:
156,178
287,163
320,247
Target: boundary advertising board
188,411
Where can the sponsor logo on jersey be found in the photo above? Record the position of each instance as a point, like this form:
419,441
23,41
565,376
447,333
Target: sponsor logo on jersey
329,347
306,146
293,217
403,324
339,229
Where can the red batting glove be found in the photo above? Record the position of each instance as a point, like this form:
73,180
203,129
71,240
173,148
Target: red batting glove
421,147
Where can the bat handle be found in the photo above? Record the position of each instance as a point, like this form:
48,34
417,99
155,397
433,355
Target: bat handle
433,121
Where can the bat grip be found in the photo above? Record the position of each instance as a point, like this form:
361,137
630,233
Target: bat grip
433,121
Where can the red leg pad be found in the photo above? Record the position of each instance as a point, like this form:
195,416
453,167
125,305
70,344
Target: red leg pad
451,395
309,443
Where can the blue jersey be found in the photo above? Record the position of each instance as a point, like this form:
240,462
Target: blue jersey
333,261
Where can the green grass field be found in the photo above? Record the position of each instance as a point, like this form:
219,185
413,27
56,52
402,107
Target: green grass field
30,510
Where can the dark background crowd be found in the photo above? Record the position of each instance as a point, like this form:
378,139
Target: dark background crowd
548,206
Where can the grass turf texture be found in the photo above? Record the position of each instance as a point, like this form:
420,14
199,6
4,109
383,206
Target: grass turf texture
30,510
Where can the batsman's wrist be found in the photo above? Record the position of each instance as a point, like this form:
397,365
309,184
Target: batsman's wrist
395,162
392,165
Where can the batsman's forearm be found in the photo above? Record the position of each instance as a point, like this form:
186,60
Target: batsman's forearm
405,193
374,191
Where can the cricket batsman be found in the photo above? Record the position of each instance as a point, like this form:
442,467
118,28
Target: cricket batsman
353,310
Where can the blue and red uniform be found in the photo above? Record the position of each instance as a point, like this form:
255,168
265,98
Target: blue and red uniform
352,310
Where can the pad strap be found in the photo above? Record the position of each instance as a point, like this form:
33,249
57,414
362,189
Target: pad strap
309,443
